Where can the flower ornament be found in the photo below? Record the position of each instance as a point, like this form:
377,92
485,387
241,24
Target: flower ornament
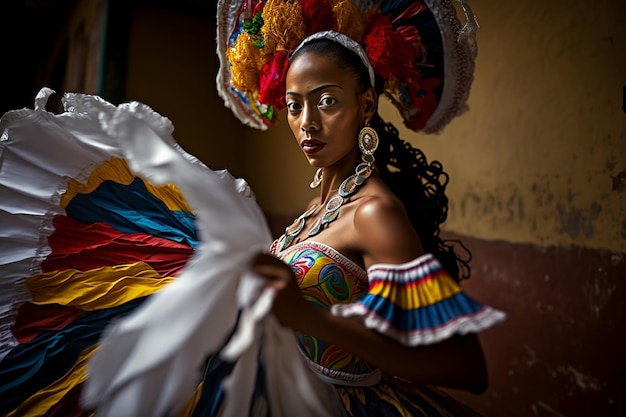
418,49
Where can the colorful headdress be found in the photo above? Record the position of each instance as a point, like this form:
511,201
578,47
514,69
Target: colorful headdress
417,47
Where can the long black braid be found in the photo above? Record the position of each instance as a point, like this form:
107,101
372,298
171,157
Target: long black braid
420,186
405,170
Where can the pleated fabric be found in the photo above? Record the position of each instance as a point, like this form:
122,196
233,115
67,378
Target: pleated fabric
110,301
124,239
418,303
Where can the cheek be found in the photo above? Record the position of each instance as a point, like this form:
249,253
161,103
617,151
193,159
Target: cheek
347,127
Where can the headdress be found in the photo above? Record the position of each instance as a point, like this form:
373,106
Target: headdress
418,48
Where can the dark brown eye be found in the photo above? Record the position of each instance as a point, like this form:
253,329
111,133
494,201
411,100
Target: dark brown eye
327,101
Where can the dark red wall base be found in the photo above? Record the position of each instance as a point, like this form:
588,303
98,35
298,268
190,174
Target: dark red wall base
561,350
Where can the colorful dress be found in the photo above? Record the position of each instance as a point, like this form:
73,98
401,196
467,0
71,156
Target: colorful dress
124,285
413,303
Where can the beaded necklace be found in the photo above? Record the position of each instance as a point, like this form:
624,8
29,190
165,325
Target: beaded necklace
331,211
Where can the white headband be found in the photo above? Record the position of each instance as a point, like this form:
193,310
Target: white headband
346,42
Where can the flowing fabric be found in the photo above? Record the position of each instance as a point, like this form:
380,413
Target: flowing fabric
145,269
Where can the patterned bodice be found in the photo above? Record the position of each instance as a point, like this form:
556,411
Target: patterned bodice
326,277
415,303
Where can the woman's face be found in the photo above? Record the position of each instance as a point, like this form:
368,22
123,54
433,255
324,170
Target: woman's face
325,109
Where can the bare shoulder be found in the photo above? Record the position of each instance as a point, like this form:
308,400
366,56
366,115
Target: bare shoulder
384,231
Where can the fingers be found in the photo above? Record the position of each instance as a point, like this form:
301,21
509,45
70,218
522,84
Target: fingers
266,259
273,269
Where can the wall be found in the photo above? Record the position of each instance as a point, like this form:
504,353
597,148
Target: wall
172,67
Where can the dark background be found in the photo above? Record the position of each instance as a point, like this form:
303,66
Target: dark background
28,30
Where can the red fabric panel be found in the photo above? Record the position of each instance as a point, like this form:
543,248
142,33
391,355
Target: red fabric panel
83,246
33,319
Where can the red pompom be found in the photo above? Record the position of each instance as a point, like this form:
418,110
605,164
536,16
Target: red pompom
272,81
425,102
388,50
317,16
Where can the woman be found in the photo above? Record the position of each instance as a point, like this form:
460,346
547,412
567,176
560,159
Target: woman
329,99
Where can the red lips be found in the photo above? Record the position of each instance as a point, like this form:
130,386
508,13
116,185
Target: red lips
311,146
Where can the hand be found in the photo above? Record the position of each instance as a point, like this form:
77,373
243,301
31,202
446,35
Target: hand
290,307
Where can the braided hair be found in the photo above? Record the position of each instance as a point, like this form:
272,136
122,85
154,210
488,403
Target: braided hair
420,185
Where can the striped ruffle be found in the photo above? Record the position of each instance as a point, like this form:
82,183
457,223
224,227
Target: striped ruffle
418,303
115,240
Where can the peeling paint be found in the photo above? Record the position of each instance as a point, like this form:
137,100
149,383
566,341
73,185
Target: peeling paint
532,356
546,407
617,258
619,182
548,209
582,381
598,291
575,221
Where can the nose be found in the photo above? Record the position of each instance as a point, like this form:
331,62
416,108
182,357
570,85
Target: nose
308,122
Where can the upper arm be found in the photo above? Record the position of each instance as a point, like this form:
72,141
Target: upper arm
384,232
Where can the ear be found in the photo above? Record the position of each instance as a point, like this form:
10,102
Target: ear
370,103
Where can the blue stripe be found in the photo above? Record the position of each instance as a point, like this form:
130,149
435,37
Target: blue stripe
133,209
31,366
427,317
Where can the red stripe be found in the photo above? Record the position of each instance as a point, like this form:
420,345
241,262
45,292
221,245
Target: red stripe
407,285
85,246
33,319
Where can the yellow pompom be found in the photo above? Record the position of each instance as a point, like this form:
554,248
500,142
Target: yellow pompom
246,61
283,26
349,19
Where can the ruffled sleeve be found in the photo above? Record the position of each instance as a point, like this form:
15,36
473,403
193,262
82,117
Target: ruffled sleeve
418,303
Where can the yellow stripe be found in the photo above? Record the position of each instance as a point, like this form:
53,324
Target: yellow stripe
39,403
96,289
117,170
426,293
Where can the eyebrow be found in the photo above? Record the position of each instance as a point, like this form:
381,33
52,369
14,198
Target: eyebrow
315,90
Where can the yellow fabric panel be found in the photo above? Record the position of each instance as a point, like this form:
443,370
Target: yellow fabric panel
39,403
96,289
418,294
117,170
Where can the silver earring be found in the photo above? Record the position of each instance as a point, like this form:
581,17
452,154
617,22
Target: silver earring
317,179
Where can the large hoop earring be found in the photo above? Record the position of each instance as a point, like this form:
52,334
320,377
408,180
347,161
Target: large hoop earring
317,179
368,143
